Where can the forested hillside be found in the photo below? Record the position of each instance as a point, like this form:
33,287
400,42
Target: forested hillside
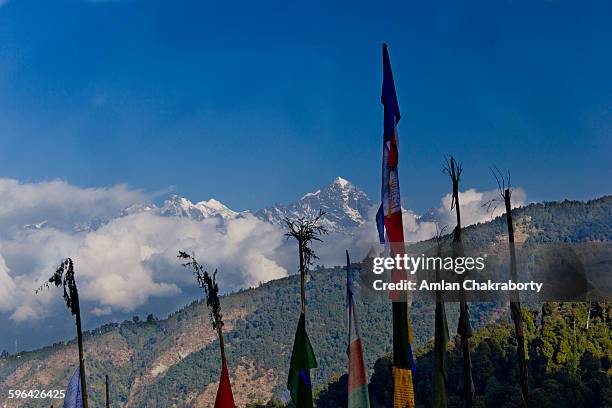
174,361
569,365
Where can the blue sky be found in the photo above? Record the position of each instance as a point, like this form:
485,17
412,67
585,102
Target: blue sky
258,102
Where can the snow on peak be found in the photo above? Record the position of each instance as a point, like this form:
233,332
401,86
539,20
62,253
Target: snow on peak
316,193
214,207
212,203
183,207
345,206
342,182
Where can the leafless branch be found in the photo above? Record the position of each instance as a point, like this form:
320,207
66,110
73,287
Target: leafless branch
209,284
453,169
306,230
440,232
64,276
503,185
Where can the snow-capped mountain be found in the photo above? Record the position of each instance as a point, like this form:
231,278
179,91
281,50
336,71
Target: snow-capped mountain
181,207
173,206
345,207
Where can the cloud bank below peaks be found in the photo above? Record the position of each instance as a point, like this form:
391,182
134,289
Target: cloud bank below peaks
127,260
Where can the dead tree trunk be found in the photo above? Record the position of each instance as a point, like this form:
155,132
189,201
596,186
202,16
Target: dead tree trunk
302,279
221,342
81,357
64,277
515,305
107,394
464,329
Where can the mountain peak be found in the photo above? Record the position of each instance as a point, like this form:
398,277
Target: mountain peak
345,206
176,199
342,182
214,207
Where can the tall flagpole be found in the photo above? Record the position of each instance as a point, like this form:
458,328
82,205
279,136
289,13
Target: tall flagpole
515,304
389,221
464,329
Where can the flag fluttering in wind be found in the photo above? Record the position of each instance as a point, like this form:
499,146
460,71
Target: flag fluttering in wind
389,221
225,398
302,361
358,396
74,397
389,216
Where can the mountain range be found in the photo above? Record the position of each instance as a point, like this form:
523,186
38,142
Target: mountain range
345,206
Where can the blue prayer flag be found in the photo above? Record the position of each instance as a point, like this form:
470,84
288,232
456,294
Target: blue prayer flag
74,398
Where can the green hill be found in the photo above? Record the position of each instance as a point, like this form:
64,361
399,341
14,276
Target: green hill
569,365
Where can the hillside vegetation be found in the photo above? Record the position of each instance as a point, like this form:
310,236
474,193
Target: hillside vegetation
174,361
569,366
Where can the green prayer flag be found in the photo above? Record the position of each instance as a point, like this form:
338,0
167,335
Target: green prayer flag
302,360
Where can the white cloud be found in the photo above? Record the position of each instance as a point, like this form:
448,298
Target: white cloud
131,259
124,263
474,208
7,287
101,311
62,204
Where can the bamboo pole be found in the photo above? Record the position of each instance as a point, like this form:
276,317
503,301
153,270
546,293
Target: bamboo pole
515,305
302,278
454,170
81,357
107,394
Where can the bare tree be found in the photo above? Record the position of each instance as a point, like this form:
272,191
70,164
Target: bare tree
505,191
305,230
454,170
64,276
208,282
211,290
